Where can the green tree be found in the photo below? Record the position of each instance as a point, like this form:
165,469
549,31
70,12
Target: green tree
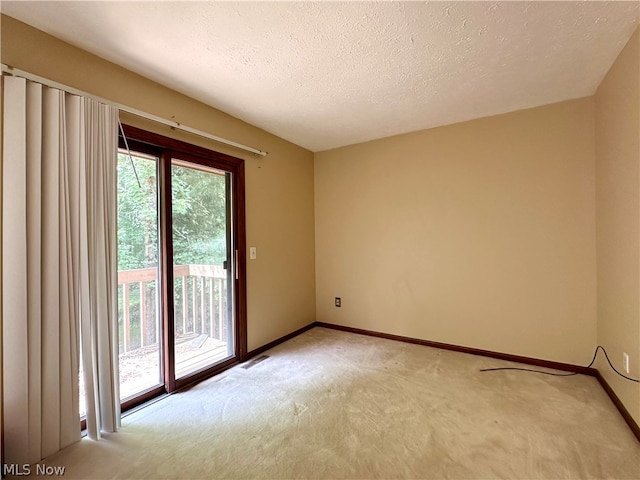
198,215
137,213
198,218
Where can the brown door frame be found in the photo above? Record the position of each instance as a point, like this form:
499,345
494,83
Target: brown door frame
166,148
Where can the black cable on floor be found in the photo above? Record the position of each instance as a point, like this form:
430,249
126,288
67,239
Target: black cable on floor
595,354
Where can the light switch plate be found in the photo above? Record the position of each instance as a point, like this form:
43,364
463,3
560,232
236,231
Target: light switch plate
253,253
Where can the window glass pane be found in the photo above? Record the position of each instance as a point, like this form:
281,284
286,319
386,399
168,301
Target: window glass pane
139,323
203,333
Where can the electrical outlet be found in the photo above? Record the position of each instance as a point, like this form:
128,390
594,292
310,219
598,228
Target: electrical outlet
625,362
338,302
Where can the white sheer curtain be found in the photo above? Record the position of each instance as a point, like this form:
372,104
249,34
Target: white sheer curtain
59,271
99,270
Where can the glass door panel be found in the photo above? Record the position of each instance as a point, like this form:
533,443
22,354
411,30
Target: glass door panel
139,326
200,212
181,294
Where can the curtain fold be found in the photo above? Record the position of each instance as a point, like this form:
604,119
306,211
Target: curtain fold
99,277
59,275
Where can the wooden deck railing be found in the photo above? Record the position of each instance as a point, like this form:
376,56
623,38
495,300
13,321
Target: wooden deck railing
200,296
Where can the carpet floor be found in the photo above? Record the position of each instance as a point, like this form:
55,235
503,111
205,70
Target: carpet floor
333,405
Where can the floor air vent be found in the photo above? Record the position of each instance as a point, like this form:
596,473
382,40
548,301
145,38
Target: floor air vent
255,361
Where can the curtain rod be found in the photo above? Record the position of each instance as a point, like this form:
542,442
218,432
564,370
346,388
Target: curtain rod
9,70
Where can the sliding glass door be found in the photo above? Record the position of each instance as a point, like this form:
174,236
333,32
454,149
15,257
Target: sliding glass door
181,289
140,330
202,290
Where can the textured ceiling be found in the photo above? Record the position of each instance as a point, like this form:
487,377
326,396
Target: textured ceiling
324,75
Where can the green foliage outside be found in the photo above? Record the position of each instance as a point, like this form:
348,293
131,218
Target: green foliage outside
198,213
198,217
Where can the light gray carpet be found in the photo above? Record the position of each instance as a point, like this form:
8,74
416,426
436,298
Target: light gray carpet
329,404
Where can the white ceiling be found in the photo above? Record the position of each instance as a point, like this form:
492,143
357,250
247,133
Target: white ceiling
324,75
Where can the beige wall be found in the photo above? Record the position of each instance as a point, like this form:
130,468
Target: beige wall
618,220
279,188
479,234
